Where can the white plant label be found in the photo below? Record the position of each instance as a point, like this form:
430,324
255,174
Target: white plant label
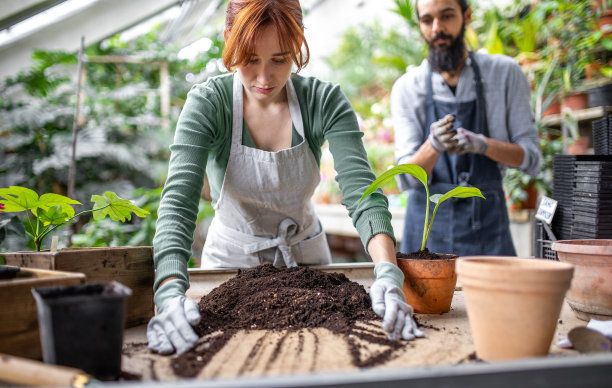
546,210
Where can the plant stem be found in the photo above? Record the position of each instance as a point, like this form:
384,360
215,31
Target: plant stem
425,227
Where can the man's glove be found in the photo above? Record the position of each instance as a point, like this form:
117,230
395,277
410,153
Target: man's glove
389,303
171,329
441,135
468,141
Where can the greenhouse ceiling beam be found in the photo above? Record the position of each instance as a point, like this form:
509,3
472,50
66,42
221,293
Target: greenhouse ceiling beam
96,22
15,11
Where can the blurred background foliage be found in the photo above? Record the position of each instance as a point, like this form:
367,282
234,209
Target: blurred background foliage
123,142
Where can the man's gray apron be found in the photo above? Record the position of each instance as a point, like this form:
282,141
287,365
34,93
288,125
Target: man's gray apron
462,226
264,213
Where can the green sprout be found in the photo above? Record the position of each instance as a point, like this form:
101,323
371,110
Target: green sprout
52,211
420,174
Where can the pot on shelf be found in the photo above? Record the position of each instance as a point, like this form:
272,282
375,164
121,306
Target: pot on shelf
513,304
82,326
429,285
591,293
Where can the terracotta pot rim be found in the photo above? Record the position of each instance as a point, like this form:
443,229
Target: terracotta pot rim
587,246
445,257
511,265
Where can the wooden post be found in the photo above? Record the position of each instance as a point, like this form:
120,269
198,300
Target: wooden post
75,122
164,94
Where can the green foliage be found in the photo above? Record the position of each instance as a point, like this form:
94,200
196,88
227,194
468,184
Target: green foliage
51,211
369,59
420,174
122,143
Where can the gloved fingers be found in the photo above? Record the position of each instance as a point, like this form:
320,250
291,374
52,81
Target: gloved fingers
158,341
396,333
411,330
192,311
377,295
186,337
180,343
391,311
443,125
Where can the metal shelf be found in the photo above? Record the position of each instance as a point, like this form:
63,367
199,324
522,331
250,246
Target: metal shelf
579,115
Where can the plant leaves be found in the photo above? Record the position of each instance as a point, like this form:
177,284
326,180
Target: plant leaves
116,208
17,199
457,192
411,169
54,215
50,200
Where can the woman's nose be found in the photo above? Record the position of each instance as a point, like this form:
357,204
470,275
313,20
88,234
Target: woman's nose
263,74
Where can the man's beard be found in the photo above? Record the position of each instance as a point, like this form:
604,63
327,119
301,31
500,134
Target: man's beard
447,58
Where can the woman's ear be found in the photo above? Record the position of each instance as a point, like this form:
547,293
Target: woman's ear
225,35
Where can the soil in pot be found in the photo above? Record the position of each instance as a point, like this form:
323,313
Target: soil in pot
429,280
286,300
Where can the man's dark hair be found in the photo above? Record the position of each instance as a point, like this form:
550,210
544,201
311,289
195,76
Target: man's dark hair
462,3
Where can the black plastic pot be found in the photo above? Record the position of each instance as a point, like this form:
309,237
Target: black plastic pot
82,326
600,96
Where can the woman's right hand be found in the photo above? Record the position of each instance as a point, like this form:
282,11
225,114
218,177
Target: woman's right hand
171,329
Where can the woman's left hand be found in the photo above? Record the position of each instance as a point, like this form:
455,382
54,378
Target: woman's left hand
389,303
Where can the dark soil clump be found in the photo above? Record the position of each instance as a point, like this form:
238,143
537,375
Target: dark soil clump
270,298
425,254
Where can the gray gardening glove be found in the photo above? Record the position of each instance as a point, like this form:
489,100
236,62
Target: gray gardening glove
468,141
441,135
171,329
389,303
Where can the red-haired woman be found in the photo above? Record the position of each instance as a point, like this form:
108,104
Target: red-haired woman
258,134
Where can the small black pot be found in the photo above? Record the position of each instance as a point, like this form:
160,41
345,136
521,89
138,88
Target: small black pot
82,326
600,96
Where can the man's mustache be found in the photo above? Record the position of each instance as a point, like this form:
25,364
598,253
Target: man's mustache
441,36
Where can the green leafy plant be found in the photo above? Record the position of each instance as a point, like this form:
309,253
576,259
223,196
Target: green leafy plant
52,211
420,174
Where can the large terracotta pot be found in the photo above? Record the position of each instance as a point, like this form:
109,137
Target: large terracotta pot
591,293
429,285
513,304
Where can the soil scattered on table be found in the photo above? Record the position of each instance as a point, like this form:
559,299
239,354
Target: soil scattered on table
292,299
425,254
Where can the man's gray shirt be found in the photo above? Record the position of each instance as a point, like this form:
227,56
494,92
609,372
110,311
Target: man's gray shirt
507,99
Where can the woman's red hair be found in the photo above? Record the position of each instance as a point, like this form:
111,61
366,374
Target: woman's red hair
244,21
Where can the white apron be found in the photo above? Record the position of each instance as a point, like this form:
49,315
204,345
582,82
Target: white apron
264,213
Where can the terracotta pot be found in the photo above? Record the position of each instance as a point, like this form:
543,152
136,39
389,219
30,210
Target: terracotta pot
530,201
605,22
429,285
579,146
513,303
575,101
591,293
553,109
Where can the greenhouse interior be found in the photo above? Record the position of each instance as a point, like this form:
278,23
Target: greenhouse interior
242,193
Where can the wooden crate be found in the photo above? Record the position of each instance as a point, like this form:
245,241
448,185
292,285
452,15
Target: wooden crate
131,266
18,315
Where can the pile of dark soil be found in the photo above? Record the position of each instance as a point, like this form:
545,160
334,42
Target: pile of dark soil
270,298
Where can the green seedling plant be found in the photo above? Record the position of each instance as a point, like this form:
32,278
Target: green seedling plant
52,211
420,174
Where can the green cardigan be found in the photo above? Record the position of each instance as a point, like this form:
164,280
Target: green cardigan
202,143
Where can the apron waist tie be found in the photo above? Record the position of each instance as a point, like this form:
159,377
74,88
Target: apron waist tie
287,237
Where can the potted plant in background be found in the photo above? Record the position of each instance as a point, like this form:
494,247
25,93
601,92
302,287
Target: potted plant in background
429,277
131,266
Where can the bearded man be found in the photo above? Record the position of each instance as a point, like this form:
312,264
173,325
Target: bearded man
464,117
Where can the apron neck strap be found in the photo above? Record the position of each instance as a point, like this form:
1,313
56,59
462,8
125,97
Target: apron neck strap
238,109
